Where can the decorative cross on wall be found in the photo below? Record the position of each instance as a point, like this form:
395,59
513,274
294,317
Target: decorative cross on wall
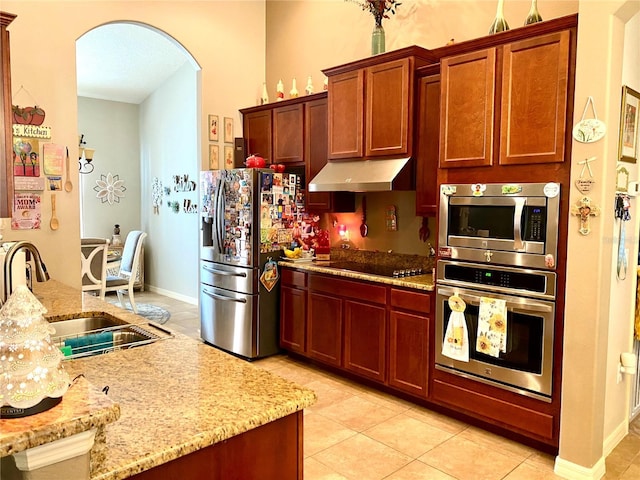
585,209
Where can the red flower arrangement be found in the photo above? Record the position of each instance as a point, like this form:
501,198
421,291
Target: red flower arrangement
378,8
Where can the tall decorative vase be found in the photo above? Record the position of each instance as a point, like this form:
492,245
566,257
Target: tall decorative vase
499,23
533,16
377,39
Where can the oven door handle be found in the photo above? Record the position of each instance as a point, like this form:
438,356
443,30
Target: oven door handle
518,244
527,303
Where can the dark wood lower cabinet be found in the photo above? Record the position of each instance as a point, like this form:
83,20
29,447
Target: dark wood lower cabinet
409,352
270,452
293,308
365,339
324,329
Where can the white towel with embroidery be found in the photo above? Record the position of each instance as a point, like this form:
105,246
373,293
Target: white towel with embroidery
492,327
456,338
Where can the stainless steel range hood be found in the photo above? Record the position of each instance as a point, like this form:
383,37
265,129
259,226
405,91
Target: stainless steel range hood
363,176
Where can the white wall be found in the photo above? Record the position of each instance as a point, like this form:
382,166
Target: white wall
226,38
112,129
169,147
622,310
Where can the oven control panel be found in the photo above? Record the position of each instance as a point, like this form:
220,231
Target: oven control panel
501,279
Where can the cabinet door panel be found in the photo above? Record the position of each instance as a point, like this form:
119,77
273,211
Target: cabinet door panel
467,109
257,132
288,134
316,126
293,311
428,145
346,114
388,108
324,329
534,100
365,339
408,352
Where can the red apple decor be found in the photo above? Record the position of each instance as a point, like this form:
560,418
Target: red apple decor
253,161
28,115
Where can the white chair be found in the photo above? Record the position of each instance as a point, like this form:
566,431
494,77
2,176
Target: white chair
94,265
129,265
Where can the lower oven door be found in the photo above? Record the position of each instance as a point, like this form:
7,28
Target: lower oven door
526,366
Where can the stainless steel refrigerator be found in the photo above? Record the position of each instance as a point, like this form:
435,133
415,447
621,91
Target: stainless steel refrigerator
245,217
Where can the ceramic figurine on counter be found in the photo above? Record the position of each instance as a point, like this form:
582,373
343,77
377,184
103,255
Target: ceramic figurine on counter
309,88
279,91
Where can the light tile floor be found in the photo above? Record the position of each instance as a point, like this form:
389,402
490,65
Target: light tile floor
355,432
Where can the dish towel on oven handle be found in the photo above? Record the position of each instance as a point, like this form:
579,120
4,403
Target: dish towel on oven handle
456,339
492,326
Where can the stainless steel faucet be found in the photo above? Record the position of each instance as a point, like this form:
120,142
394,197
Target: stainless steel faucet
41,270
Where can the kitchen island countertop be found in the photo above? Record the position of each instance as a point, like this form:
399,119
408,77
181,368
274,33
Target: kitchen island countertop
175,396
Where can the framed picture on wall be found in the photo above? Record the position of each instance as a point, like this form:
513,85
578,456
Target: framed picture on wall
214,154
213,128
629,115
228,130
228,157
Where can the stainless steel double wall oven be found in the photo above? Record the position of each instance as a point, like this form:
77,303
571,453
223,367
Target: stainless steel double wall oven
499,242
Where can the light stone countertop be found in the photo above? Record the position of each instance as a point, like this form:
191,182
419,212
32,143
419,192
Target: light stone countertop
418,282
175,396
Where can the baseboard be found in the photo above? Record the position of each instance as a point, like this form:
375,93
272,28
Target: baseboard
573,471
615,438
170,294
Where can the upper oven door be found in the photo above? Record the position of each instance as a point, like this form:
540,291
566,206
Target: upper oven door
497,227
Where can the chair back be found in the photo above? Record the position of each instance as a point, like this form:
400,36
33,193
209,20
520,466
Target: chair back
94,263
131,253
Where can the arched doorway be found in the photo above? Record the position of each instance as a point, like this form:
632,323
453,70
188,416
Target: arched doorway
138,97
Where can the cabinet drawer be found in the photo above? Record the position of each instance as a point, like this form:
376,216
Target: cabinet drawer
346,288
479,405
419,302
293,278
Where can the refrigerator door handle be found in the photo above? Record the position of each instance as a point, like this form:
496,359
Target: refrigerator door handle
219,212
223,297
222,272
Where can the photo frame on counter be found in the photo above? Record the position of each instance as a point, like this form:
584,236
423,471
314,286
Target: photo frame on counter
214,127
629,117
214,157
228,130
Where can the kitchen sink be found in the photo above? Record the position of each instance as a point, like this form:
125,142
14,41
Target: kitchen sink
86,336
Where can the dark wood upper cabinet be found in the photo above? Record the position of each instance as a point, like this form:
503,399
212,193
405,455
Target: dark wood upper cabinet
507,104
467,109
257,133
346,115
315,131
288,134
389,108
371,105
427,142
535,83
6,119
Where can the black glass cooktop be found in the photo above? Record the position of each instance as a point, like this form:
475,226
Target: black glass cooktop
373,269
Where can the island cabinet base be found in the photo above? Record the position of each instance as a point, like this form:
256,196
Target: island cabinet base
270,452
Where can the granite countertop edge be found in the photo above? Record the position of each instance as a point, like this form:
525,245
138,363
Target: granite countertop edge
417,282
202,410
203,440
